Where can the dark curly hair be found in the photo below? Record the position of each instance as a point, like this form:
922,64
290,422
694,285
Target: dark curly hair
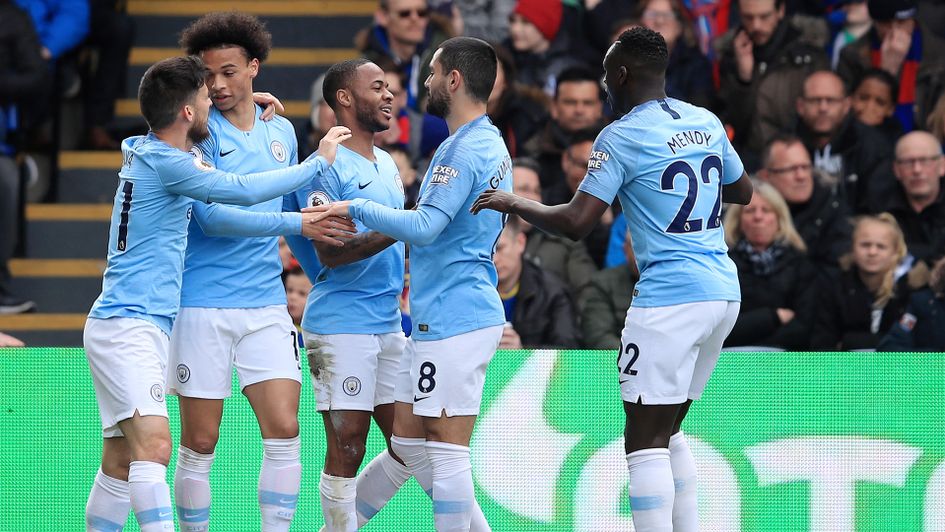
644,49
216,30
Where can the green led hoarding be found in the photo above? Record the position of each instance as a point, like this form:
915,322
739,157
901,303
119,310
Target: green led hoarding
820,442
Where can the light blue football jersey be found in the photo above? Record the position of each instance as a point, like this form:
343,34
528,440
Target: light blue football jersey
362,297
667,161
156,188
453,279
233,271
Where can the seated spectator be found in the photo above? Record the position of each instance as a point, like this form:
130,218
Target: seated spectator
819,213
563,257
541,50
899,44
9,341
604,301
854,155
111,34
578,104
860,301
775,276
60,24
763,65
848,23
874,102
574,161
689,72
922,325
936,121
600,19
537,304
918,203
518,111
297,287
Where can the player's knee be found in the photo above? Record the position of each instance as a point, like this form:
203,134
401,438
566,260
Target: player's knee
203,442
154,450
283,428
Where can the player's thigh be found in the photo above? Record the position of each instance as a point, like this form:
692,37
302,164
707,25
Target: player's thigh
659,347
268,348
127,359
448,375
148,437
344,370
276,405
392,346
725,314
201,357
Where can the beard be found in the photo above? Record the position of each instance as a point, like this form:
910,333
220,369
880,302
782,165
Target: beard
367,117
439,103
198,132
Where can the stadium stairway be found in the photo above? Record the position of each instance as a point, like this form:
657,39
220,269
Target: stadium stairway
66,241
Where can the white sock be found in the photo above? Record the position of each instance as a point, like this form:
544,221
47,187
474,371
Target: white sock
651,490
377,483
109,502
338,496
414,454
150,496
685,509
279,482
192,489
453,492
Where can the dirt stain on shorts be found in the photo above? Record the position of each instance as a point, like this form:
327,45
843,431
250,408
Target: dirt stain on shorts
320,359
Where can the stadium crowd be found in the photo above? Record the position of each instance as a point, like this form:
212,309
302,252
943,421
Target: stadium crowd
836,108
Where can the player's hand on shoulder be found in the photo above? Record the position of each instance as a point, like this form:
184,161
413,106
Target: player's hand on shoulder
331,230
328,146
271,104
494,199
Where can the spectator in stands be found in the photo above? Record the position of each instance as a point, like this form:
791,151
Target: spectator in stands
537,304
297,287
874,102
321,119
936,120
600,20
922,325
918,203
819,213
849,21
689,72
111,33
899,44
407,32
856,156
22,74
763,64
775,276
541,51
604,301
578,104
486,19
519,111
408,175
563,257
61,24
398,134
9,341
858,303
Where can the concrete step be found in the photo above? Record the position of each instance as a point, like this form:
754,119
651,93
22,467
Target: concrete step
64,231
46,330
58,285
88,176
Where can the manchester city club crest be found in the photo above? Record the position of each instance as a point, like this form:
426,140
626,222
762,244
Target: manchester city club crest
278,151
157,393
183,373
352,385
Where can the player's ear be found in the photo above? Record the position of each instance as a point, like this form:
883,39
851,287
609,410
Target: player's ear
344,97
623,75
454,79
253,68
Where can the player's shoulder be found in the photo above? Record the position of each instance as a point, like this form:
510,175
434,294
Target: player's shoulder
384,158
147,149
283,126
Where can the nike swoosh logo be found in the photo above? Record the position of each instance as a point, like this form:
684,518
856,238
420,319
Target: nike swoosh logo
625,380
190,516
361,187
286,501
418,399
162,515
225,153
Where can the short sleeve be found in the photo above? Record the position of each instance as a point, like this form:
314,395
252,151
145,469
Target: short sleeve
449,181
605,173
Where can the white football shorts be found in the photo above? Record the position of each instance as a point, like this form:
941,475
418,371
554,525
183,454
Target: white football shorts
127,358
668,353
354,371
207,343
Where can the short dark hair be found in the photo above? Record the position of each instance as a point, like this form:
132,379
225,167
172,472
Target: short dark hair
588,134
883,77
527,162
475,60
579,74
228,28
340,76
788,139
643,51
167,86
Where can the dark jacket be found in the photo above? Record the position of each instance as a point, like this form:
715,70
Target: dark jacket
791,285
845,317
824,224
860,159
563,257
759,109
922,326
924,231
603,304
542,70
689,76
544,314
22,69
520,115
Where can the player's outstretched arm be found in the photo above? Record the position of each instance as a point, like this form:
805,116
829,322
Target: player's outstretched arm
221,220
418,227
574,219
738,192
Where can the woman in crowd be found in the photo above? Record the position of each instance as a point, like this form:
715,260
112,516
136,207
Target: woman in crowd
859,302
776,278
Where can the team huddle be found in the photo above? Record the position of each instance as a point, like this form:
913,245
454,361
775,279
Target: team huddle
192,286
